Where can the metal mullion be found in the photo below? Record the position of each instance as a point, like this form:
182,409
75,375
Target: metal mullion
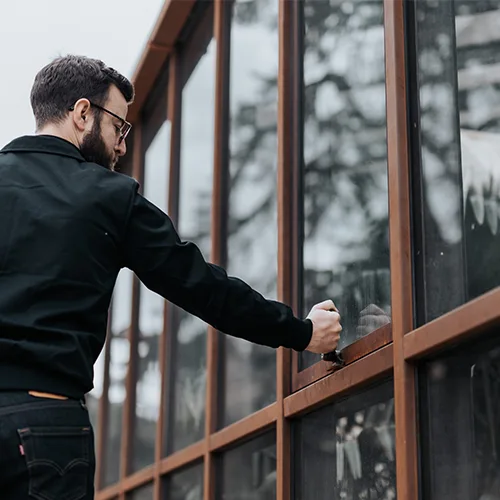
130,398
400,247
462,324
372,367
243,429
185,457
173,113
218,223
138,479
296,184
111,492
286,233
103,412
161,42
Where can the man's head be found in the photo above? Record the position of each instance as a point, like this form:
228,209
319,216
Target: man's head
85,102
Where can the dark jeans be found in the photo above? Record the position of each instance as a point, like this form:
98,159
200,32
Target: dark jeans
46,449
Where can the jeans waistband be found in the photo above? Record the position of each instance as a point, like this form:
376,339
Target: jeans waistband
17,398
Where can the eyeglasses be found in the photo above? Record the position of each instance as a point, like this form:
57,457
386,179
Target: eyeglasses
125,125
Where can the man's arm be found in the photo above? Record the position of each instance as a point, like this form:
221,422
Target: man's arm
177,271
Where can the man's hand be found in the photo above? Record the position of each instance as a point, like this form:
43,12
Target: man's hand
326,327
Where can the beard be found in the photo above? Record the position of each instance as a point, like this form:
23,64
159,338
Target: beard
93,148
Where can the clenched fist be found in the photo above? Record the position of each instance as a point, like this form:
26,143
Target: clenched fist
326,327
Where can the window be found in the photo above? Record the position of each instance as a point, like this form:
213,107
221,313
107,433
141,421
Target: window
119,356
458,98
249,381
188,348
156,139
186,484
460,395
249,471
143,493
347,450
345,197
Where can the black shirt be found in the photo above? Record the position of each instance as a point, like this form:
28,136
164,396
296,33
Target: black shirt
66,229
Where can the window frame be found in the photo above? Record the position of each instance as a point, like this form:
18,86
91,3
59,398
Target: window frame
292,210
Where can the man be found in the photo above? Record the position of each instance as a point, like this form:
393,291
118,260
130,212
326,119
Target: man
68,224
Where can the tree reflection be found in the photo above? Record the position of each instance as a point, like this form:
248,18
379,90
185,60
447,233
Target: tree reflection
186,484
486,404
345,176
462,459
348,450
346,252
248,472
459,103
249,377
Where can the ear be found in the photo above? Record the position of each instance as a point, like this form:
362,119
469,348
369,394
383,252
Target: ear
81,114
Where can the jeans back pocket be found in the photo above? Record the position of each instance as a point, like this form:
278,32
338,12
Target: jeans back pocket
58,460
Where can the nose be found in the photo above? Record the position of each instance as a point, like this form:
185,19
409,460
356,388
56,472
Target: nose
121,148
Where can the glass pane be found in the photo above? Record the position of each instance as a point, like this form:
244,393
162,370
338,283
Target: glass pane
118,366
346,229
252,245
249,471
347,450
143,493
93,397
460,405
151,315
188,356
459,101
186,484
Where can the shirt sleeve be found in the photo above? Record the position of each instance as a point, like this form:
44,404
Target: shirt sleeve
177,271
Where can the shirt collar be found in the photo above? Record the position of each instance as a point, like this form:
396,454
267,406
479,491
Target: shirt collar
44,144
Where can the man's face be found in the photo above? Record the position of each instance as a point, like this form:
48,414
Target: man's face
101,143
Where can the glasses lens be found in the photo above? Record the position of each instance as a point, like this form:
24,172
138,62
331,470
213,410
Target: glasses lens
125,130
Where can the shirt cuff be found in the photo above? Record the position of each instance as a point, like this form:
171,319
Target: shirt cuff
302,335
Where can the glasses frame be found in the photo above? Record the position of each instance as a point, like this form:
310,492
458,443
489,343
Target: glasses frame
126,126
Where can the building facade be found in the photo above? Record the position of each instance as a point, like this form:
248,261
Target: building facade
344,149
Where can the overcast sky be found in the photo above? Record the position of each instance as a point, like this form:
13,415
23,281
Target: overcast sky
36,31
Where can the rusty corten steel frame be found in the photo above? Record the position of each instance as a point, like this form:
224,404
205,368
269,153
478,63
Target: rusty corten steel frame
390,350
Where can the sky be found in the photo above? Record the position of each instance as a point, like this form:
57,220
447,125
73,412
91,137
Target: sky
36,31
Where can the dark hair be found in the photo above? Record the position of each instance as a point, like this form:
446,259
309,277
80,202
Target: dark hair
66,79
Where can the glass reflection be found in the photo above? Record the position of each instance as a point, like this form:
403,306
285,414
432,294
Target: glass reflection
459,100
346,242
186,485
118,366
249,381
151,314
188,356
249,471
142,493
461,418
348,450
